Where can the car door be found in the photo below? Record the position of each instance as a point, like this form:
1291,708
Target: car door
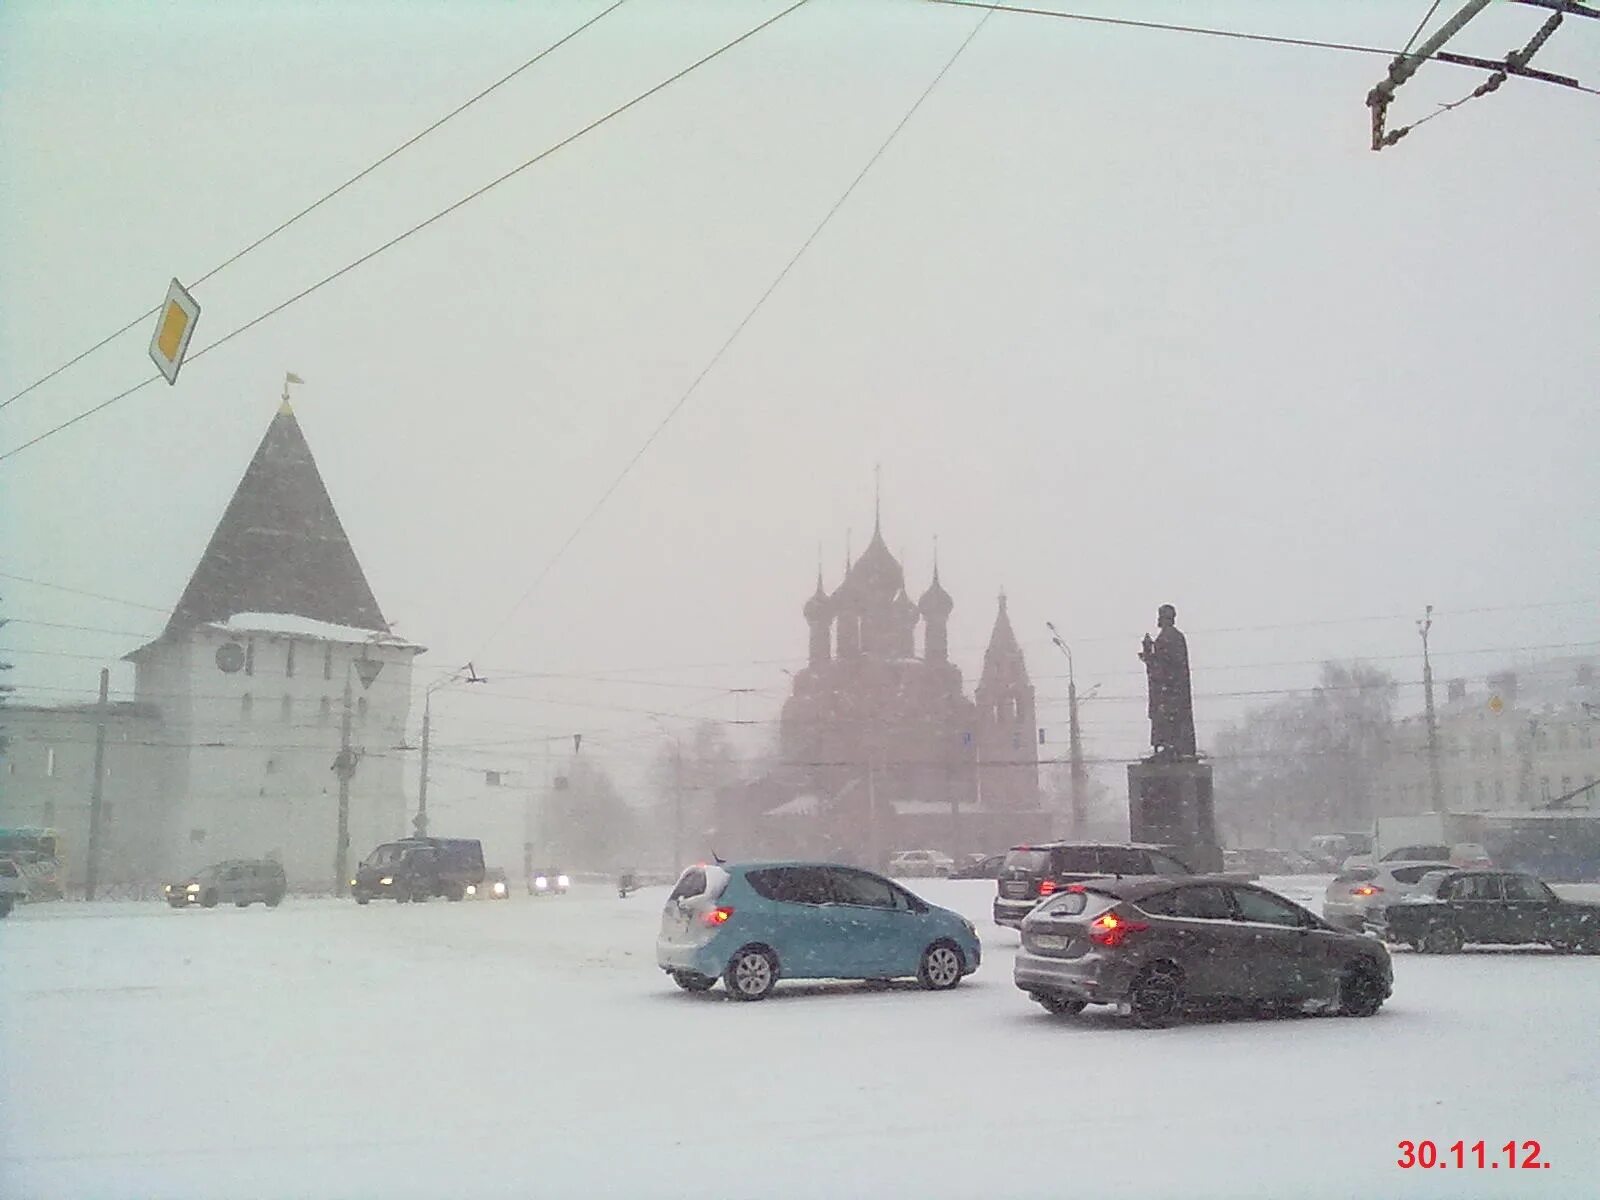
1528,911
872,926
1282,959
1478,901
1206,940
801,922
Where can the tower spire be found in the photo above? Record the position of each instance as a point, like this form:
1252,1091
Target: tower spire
877,497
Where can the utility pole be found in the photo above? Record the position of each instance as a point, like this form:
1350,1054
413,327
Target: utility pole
1078,776
1436,787
91,875
420,821
345,768
677,804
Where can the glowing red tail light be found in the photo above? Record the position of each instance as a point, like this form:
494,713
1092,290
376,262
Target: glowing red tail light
1047,887
1108,929
716,916
1366,889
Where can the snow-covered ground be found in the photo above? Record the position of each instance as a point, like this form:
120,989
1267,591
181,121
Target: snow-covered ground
531,1048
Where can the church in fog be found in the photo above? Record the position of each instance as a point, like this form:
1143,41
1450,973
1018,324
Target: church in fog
881,749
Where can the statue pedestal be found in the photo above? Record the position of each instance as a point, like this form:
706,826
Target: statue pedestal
1169,803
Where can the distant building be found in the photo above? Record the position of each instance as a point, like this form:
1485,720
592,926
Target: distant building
229,748
1514,740
881,748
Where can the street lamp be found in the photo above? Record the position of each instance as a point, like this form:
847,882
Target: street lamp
1079,815
420,821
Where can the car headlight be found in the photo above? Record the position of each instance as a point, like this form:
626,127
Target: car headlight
499,889
352,883
167,888
193,887
472,889
386,880
563,881
541,883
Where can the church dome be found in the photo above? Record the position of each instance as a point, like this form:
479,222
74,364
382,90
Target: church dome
877,574
936,602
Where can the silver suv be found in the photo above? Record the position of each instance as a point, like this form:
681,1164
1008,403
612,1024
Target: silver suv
1160,946
241,882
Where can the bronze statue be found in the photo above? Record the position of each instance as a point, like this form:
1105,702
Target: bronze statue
1166,664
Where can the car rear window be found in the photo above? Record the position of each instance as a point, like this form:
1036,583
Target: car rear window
1413,874
1035,862
691,883
1077,903
1362,874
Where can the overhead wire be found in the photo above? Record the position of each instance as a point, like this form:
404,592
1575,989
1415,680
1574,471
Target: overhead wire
738,329
417,228
321,200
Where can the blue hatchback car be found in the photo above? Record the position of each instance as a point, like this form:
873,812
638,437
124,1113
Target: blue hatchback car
751,924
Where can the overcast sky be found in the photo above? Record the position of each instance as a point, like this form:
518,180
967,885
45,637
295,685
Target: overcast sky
1127,317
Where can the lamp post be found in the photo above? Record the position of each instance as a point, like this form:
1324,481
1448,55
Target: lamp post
1435,785
1080,818
420,822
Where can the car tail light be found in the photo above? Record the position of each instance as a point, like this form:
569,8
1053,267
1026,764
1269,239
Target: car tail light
1075,887
1108,929
1366,889
716,916
1047,887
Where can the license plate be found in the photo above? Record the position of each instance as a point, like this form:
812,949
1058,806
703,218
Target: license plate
1014,891
1049,941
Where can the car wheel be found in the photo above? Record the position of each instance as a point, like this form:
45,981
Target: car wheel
208,900
363,898
274,900
1589,942
1441,939
1156,996
941,967
752,974
1061,1006
690,982
241,904
1360,991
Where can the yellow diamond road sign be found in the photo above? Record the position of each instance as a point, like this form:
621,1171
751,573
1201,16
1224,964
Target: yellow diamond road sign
174,328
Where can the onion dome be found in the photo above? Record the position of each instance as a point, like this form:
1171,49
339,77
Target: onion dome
935,603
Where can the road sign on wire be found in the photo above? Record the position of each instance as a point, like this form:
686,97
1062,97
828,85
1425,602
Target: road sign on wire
174,328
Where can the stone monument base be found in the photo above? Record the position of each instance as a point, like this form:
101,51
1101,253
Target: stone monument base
1169,803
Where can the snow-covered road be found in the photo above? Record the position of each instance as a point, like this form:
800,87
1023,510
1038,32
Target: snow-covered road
531,1048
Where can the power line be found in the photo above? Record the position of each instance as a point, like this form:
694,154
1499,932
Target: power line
417,228
1206,31
749,316
318,203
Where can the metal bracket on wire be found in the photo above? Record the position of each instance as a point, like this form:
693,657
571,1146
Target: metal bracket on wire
1516,63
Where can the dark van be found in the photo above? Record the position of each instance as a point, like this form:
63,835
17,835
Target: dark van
415,869
1032,873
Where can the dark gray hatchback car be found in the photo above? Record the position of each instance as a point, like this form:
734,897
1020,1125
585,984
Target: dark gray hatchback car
1161,946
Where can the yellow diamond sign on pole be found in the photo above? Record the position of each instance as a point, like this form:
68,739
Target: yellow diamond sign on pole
174,328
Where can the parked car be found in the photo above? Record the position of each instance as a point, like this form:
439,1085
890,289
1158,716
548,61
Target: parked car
1355,895
1031,873
752,924
1453,908
1328,850
979,866
908,863
551,882
414,869
240,881
1162,946
493,886
13,887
